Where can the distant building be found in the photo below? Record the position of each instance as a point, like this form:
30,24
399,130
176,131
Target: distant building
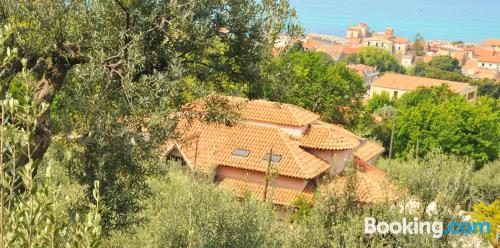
397,85
491,44
483,62
368,73
356,33
489,62
335,51
383,40
407,60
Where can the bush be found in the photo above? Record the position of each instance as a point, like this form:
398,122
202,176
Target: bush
190,211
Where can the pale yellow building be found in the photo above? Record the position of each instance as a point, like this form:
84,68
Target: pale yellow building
397,85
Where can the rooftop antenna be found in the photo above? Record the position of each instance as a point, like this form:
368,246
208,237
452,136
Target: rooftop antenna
268,172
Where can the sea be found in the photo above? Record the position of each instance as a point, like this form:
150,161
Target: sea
453,20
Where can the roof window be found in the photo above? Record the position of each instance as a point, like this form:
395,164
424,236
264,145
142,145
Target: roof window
241,152
275,157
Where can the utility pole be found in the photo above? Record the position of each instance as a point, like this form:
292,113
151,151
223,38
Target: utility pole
268,172
392,139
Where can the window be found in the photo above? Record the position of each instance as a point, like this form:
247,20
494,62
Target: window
275,157
241,152
395,94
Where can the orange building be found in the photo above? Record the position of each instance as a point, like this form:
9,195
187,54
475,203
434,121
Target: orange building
306,153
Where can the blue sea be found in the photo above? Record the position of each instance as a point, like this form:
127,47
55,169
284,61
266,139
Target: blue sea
454,20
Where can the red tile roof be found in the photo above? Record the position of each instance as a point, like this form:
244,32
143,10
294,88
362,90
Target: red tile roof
325,136
490,59
401,40
405,82
361,69
491,42
351,50
372,185
478,52
266,111
212,145
311,44
368,151
335,51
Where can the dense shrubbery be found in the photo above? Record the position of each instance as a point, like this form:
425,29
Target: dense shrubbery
187,210
438,118
313,81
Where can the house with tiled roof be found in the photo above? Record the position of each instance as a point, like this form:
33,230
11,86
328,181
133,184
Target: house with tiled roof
386,40
302,150
397,85
368,73
492,44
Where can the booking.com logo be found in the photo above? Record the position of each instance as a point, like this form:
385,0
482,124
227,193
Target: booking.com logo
436,228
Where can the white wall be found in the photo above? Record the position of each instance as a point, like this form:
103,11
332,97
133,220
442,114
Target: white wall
489,65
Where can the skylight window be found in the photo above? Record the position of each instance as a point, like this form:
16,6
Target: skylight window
274,158
241,152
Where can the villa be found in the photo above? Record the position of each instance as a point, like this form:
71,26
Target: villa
306,153
397,85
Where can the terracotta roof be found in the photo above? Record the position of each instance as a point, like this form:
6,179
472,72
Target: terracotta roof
351,50
311,44
489,59
405,82
486,74
470,64
334,51
361,69
491,42
459,55
368,151
372,185
478,52
215,145
401,40
267,111
278,113
279,195
326,136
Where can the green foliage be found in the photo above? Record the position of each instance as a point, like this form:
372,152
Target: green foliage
491,214
312,81
440,67
445,63
112,72
36,214
418,47
436,118
378,101
489,88
379,58
436,177
189,211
